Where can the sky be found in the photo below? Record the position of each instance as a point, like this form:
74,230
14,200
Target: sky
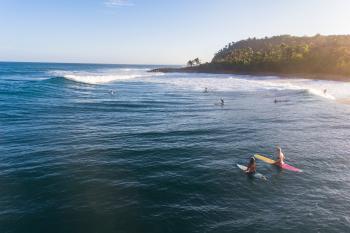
154,31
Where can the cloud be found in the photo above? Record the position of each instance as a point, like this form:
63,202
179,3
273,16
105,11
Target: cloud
118,3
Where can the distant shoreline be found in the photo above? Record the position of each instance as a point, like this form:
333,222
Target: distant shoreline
317,57
207,69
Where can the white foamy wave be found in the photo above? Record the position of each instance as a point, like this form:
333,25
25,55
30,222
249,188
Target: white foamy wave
97,79
323,89
103,76
331,90
321,94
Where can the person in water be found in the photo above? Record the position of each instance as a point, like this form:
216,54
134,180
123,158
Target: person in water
222,102
279,101
280,156
251,168
206,90
325,91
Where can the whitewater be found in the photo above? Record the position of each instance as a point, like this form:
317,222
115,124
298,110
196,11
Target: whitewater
331,90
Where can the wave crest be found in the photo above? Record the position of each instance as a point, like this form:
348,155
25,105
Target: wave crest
214,82
225,83
101,77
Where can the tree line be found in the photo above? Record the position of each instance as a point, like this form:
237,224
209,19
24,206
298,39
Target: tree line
317,54
193,62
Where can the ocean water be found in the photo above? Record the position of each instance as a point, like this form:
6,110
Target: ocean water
113,148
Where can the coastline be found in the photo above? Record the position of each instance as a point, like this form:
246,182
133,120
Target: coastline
207,69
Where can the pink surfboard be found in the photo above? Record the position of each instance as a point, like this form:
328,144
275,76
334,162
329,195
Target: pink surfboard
290,168
272,162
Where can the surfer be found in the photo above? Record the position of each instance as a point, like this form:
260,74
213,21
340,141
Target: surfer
280,101
206,90
251,168
280,156
222,102
325,91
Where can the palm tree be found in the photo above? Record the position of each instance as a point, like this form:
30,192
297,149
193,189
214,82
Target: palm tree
190,63
197,61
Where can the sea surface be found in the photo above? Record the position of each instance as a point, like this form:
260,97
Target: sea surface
113,148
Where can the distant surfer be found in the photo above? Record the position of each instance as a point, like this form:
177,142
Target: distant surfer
206,90
221,103
325,91
251,168
280,156
279,101
112,92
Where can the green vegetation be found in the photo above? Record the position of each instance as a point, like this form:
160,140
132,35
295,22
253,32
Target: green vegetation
193,62
320,57
286,54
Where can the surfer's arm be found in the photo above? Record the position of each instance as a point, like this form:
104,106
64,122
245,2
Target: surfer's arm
278,161
249,169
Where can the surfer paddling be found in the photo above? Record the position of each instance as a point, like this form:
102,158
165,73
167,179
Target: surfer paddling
221,103
251,168
280,156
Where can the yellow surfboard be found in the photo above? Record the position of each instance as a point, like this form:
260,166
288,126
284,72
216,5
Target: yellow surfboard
265,159
271,161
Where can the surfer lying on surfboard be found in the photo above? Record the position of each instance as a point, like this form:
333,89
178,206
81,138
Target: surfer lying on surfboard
251,167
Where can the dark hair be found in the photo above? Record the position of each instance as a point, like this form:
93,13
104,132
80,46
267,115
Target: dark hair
252,160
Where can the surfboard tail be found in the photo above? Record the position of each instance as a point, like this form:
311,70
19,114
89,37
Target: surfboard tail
291,168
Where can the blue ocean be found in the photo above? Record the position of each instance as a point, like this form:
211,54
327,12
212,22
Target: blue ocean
114,148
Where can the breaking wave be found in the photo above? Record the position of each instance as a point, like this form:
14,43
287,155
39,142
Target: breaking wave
102,76
331,90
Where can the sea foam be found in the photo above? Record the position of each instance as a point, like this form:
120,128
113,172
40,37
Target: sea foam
102,76
331,90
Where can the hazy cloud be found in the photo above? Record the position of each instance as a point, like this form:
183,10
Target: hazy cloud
118,3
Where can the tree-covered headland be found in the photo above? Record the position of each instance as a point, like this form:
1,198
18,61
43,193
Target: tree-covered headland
288,54
316,55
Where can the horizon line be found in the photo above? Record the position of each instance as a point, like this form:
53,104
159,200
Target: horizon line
89,63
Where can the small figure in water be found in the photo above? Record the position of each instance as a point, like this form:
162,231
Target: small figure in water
279,101
222,102
280,156
251,168
206,90
112,92
325,91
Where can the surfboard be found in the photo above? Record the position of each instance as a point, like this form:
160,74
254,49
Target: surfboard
271,161
256,175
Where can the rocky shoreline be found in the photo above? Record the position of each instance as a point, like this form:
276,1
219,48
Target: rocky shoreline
219,69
